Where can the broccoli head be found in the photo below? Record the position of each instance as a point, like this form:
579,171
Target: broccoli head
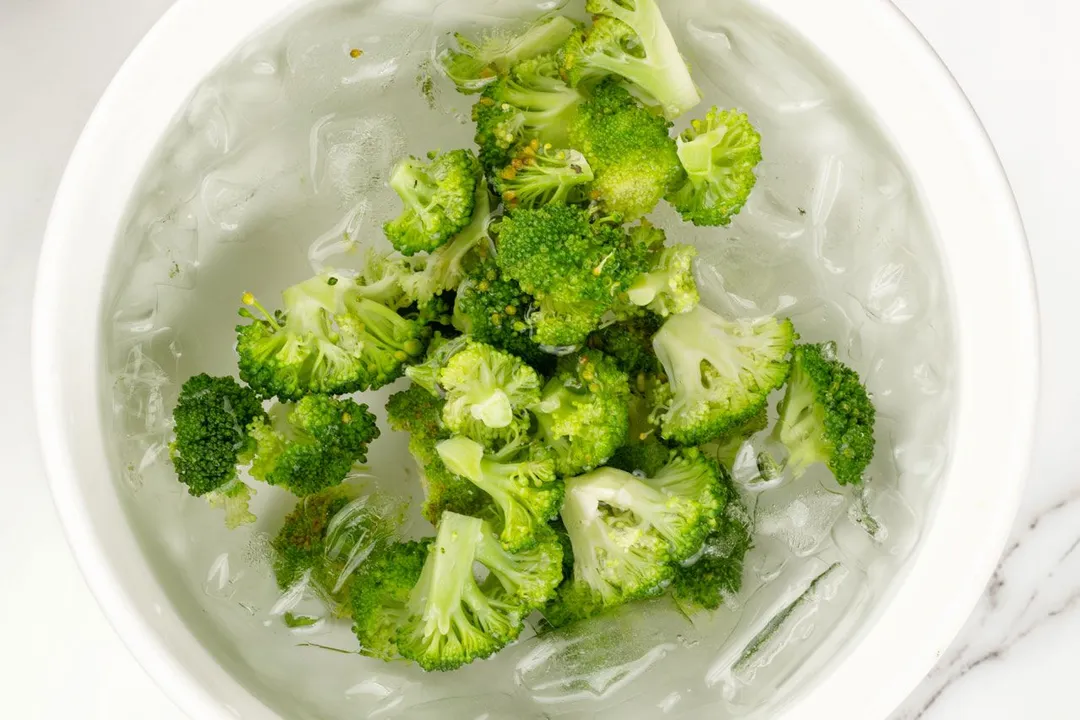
211,419
475,64
826,415
668,286
690,473
719,155
540,175
522,486
583,411
493,309
312,445
439,199
626,537
329,340
451,618
488,393
629,149
573,266
379,595
629,38
719,372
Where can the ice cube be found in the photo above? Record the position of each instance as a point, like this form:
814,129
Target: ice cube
352,155
800,512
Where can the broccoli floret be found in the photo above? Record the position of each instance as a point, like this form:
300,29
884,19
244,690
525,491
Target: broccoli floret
440,350
476,64
439,199
312,445
715,575
629,38
826,415
381,280
583,411
488,393
540,175
329,340
719,154
379,595
634,158
494,309
726,448
626,538
326,537
531,102
453,619
573,267
522,486
668,286
443,270
211,419
690,473
629,344
234,497
643,451
720,372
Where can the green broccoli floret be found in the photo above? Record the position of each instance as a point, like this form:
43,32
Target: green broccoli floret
211,419
379,595
452,619
419,413
643,453
312,445
629,38
476,64
668,286
630,344
725,449
541,175
326,537
627,538
690,473
488,393
440,350
522,486
629,148
531,102
573,267
719,155
439,199
381,279
826,415
443,270
583,411
329,340
716,573
720,372
494,309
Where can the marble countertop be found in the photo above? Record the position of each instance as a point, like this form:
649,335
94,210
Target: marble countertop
1017,60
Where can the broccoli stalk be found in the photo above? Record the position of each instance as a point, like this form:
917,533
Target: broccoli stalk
540,175
630,38
439,199
719,155
826,416
524,489
720,372
668,287
477,64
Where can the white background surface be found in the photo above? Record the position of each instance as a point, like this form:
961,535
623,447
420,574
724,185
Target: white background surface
1019,62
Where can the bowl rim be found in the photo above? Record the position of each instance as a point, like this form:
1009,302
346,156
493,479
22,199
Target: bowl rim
947,151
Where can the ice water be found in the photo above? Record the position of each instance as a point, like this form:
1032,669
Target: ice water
277,167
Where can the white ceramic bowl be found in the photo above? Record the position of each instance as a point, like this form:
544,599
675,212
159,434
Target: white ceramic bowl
949,157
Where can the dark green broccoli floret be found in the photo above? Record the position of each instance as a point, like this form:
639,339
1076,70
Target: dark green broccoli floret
439,199
531,102
668,286
629,38
643,451
583,413
312,445
452,619
326,537
521,486
211,418
629,344
572,266
826,415
627,538
494,309
379,595
329,340
629,148
541,175
488,393
476,64
720,372
719,155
